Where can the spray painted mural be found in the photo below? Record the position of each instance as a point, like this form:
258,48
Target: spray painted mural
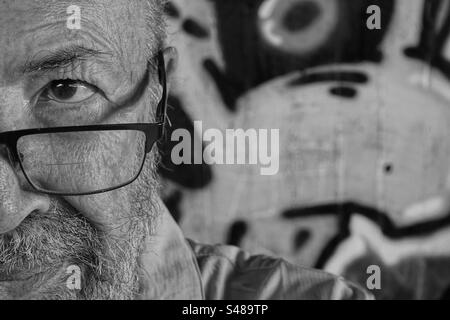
364,119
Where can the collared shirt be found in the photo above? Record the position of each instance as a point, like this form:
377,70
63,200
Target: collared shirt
176,268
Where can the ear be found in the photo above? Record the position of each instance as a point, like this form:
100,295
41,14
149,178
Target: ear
171,61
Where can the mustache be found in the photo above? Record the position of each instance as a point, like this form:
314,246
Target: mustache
47,238
48,242
64,233
51,241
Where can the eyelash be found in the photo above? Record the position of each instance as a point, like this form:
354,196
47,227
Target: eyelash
81,83
49,111
51,80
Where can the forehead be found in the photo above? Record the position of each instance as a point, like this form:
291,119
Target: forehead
30,26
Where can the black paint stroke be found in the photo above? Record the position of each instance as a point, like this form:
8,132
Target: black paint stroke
301,15
301,238
228,90
345,210
171,10
326,76
195,29
237,232
344,92
433,37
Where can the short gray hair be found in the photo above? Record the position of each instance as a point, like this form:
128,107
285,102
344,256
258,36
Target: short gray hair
156,21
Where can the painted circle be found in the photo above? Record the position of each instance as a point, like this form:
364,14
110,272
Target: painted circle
301,16
297,26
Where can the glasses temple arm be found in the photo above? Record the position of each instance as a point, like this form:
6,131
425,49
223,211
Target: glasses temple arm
161,111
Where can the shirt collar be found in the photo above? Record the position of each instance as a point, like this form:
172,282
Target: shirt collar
170,269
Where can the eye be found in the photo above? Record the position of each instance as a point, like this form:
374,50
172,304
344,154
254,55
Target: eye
68,91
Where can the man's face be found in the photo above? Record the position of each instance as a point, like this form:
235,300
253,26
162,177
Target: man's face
52,76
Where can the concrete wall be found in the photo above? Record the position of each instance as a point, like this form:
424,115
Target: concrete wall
364,119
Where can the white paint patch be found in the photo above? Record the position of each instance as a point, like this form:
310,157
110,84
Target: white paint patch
266,9
367,234
303,41
347,252
427,210
270,35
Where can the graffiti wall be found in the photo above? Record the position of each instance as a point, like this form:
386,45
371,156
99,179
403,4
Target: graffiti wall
360,93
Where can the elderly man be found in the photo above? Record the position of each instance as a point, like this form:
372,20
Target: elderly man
82,105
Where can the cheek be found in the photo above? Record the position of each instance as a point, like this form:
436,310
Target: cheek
142,112
108,212
111,211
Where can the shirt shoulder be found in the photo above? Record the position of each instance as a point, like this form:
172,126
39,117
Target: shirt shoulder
228,272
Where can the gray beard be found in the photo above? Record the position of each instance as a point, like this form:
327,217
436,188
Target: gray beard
62,237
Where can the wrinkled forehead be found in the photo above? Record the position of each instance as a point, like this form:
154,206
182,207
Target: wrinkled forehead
28,27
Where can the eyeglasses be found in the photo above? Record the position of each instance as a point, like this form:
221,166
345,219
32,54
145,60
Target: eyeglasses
85,160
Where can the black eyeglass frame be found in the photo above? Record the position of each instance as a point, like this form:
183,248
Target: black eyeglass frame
153,132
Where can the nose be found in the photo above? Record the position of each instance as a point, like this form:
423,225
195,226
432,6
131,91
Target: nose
17,201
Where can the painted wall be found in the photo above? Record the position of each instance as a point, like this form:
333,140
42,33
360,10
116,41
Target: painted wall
364,119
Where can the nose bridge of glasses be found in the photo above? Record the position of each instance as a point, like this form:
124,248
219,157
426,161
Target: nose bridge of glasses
4,152
7,153
9,157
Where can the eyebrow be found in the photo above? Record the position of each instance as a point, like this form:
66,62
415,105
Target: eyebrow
60,59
